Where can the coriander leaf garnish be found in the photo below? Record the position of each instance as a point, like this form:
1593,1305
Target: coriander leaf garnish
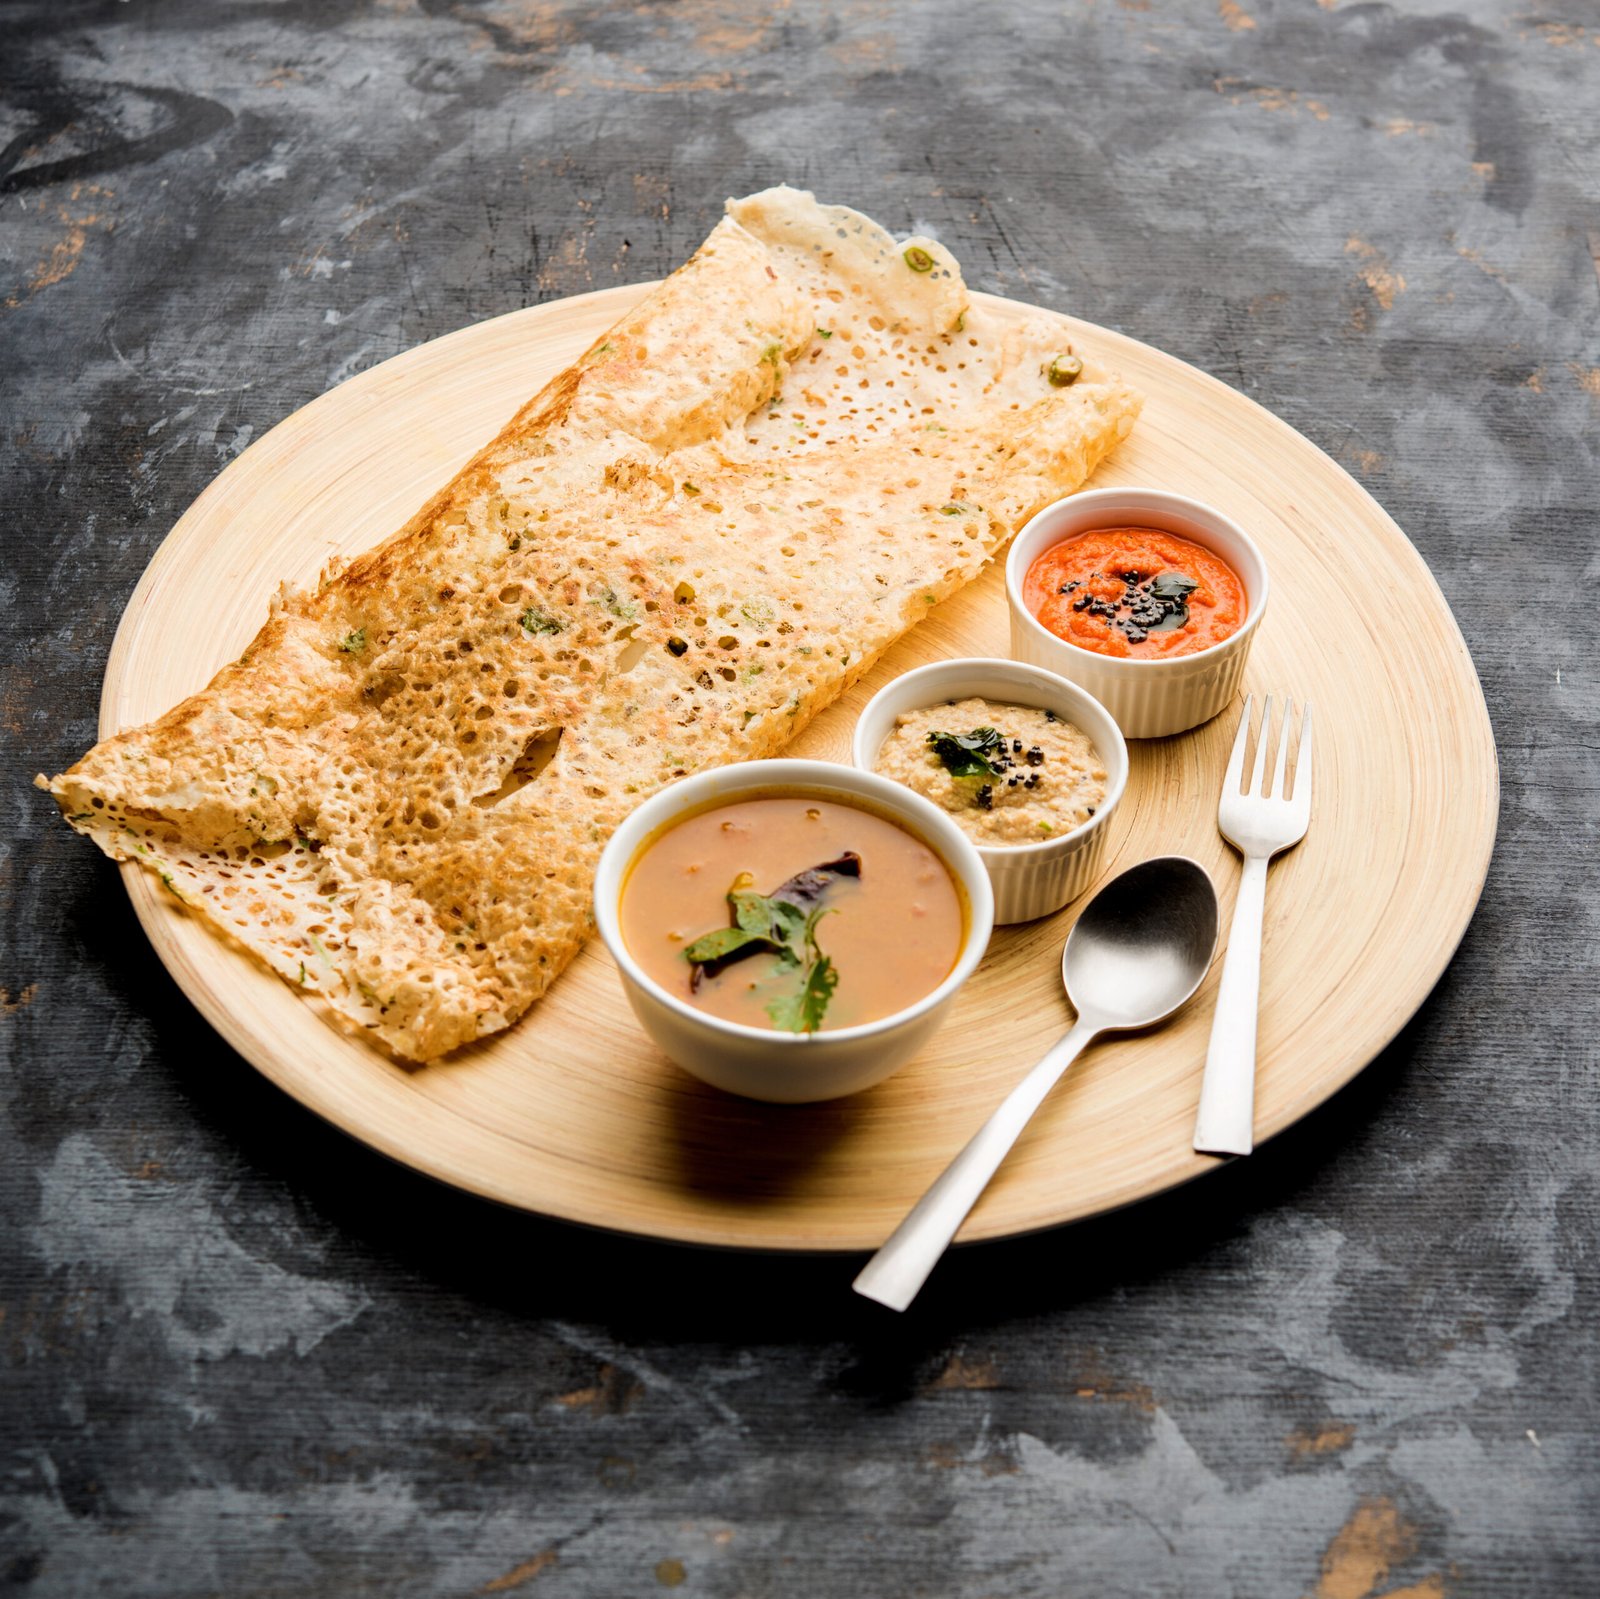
778,921
802,1011
759,923
779,924
964,754
751,911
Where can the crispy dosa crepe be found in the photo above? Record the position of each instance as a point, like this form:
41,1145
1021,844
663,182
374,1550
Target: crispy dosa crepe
675,555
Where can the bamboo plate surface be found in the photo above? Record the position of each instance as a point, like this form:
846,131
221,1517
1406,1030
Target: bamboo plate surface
574,1114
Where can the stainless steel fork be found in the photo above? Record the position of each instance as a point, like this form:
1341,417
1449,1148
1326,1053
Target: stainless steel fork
1258,823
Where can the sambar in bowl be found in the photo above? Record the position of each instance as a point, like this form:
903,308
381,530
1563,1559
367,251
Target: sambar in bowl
791,930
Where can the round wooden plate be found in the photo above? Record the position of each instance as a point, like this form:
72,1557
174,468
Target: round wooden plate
573,1113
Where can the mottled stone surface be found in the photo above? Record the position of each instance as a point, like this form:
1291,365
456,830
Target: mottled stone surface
242,1356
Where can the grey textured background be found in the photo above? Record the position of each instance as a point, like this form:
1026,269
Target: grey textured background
242,1356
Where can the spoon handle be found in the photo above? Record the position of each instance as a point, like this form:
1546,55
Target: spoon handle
901,1266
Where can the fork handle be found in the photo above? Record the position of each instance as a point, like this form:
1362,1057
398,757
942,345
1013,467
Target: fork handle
1226,1123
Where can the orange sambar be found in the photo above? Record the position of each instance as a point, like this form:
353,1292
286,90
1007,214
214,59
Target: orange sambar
1135,591
892,931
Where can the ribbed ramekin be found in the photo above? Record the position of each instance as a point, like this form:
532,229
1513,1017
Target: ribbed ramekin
1029,880
1148,698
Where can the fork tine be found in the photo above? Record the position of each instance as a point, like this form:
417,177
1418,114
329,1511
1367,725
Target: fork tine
1302,765
1262,745
1280,770
1232,777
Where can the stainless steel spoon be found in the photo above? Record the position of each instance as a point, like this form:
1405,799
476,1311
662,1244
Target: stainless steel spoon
1135,955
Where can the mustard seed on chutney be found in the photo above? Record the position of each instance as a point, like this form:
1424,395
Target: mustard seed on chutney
1135,591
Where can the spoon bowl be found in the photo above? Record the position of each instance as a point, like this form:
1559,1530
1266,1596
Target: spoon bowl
1136,954
1143,944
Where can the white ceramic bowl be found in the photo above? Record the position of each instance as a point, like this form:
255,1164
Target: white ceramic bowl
1029,880
791,1068
1149,699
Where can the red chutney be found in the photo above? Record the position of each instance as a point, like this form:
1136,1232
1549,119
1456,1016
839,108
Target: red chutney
1135,591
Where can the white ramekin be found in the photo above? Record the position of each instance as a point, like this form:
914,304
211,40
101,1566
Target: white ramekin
1029,880
790,1068
1149,699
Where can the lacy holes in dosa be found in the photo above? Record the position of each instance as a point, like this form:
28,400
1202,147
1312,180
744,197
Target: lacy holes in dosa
632,652
536,754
